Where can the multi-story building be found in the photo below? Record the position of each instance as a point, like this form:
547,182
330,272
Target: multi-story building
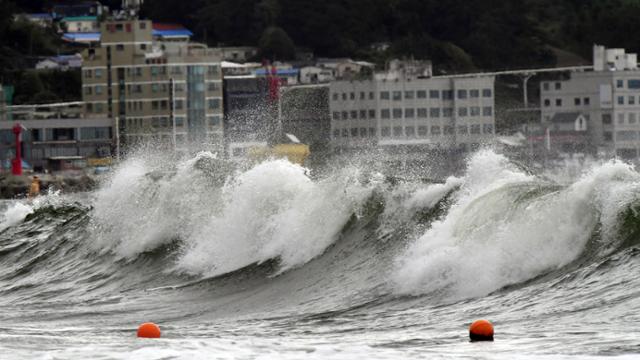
54,133
601,108
446,113
169,93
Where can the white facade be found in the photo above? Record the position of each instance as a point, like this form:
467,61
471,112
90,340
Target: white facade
608,99
442,113
315,74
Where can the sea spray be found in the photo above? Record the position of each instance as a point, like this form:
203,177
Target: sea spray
494,236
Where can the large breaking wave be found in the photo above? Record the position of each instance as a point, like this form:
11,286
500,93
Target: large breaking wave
495,226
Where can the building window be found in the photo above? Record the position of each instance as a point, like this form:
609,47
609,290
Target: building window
372,114
155,105
98,73
422,113
344,96
621,118
462,111
214,120
434,94
372,132
397,113
632,100
434,112
558,86
607,136
487,128
619,84
632,118
397,131
336,115
435,130
606,119
633,84
363,132
335,96
384,95
179,104
345,133
119,47
212,70
98,89
214,104
448,130
99,108
212,86
558,102
620,100
410,131
409,113
155,87
352,96
362,95
88,90
397,95
422,131
475,110
385,131
587,101
385,113
87,74
422,94
475,129
179,121
447,94
462,94
345,115
371,95
354,114
363,114
409,95
576,101
462,129
547,102
545,86
487,111
474,93
447,112
486,93
336,133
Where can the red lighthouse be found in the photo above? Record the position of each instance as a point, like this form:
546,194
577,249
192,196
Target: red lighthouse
16,165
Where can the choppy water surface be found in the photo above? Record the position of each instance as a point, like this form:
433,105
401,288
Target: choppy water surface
271,262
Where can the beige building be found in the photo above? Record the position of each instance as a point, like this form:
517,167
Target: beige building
167,93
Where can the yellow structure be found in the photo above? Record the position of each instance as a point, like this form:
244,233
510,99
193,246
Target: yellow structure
295,153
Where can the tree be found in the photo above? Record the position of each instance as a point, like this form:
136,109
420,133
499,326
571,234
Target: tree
275,44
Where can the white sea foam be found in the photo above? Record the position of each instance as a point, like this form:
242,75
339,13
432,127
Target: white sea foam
489,240
18,210
273,210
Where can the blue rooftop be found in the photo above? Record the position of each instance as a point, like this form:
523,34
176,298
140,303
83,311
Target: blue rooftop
278,72
172,33
82,37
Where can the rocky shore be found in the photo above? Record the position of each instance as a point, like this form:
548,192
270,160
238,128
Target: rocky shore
18,186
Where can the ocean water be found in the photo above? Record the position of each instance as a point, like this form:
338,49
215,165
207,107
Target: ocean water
276,262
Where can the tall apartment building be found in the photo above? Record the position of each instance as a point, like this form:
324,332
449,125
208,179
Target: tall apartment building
168,93
596,112
446,113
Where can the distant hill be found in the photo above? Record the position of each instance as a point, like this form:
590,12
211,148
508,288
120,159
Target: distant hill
455,34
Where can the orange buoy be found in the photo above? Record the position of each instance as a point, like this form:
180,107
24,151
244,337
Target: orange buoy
149,330
481,330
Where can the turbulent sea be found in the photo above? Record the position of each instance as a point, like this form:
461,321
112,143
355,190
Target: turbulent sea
275,262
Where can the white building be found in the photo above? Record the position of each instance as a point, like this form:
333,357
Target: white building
447,113
60,62
315,75
80,24
608,98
